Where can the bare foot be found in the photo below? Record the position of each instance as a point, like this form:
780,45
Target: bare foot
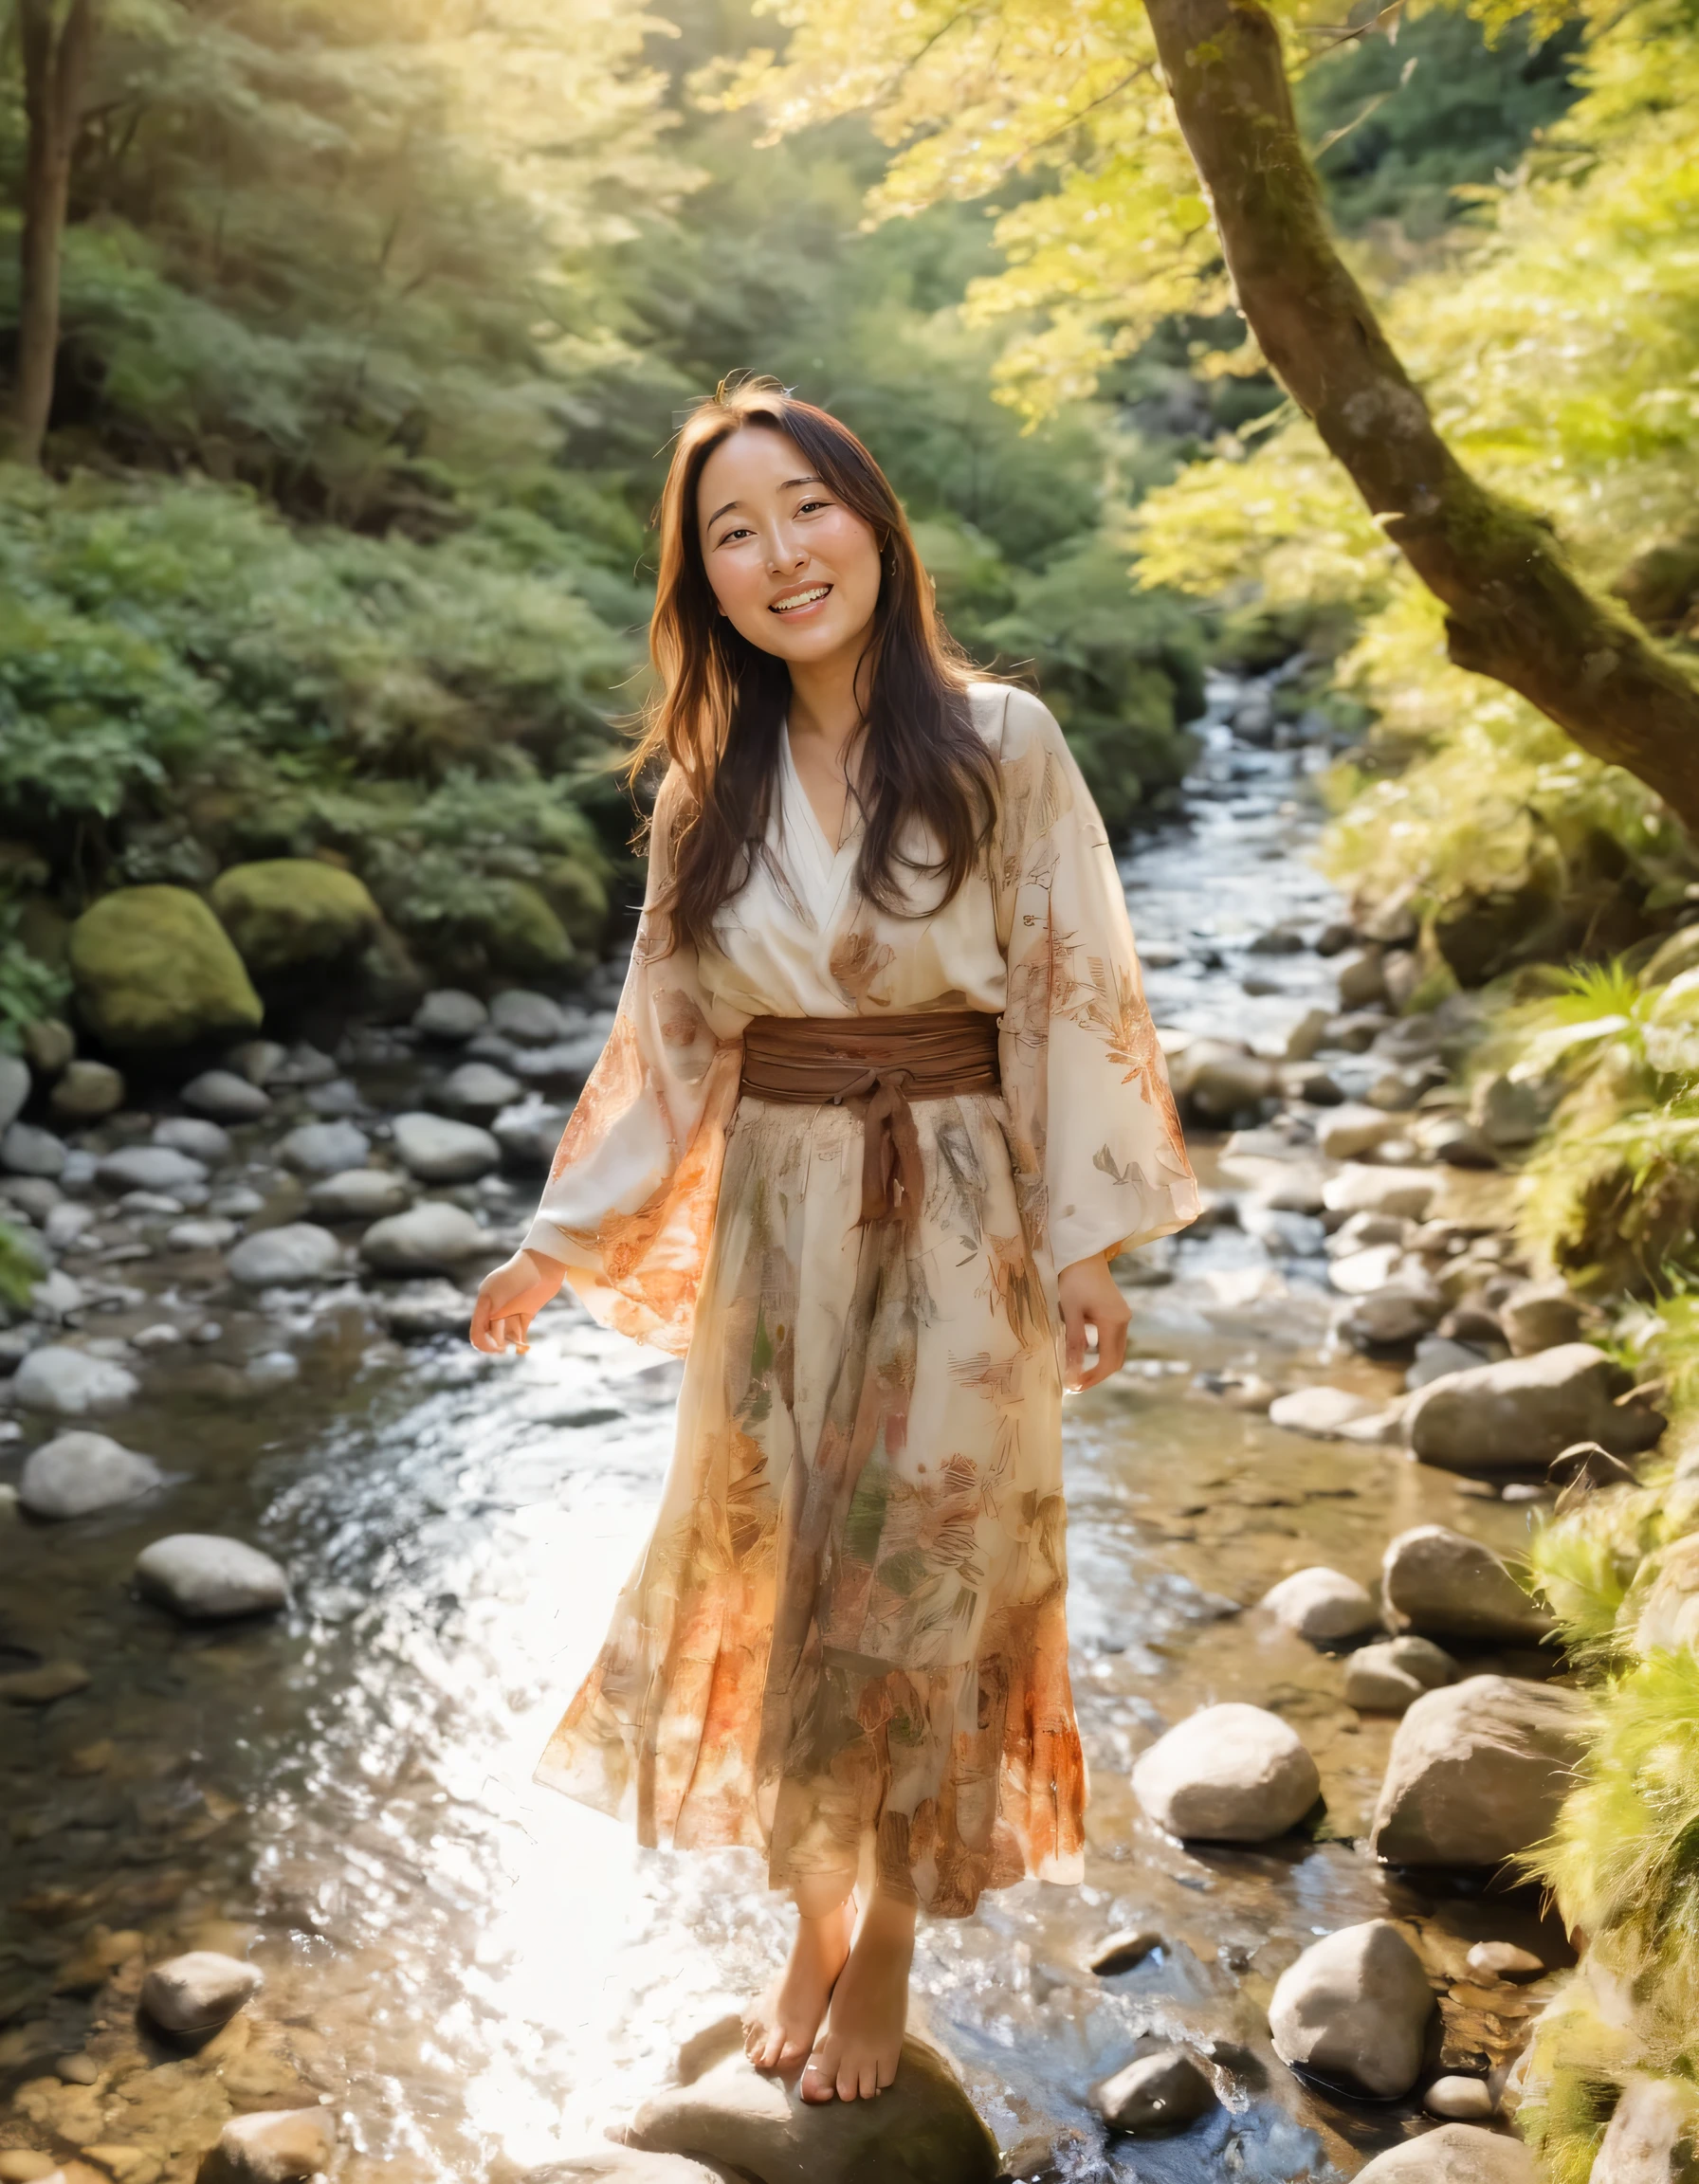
780,2023
858,2049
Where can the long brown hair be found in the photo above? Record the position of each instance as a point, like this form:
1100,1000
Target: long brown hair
721,704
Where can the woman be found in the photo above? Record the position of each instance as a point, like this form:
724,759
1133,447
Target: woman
881,1066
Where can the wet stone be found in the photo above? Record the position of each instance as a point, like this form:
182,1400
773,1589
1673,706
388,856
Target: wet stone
1445,1584
439,1151
1504,1960
209,1234
205,1577
158,1167
1321,1413
279,2146
1323,1604
77,2069
360,1194
1459,2100
1389,1678
56,1378
297,1253
1229,1774
193,1134
24,1150
922,2130
532,1019
431,1239
451,1015
1156,2094
42,1687
1455,2154
1122,1951
423,1309
226,1097
480,1088
1517,1414
324,1148
1478,1772
1353,2011
79,1472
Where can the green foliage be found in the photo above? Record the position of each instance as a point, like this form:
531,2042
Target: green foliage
20,1269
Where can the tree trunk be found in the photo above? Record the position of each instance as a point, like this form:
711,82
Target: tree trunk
56,64
1514,609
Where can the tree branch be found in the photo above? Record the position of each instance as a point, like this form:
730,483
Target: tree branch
1514,608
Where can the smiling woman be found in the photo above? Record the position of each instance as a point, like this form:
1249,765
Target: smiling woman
881,1066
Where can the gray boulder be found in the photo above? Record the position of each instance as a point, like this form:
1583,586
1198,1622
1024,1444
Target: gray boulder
273,2146
78,1472
1539,1316
360,1194
1229,1774
198,1992
1388,1679
324,1148
56,1377
226,1097
1321,1605
1155,2095
193,1134
288,1257
429,1239
439,1151
532,1019
206,1579
449,1016
922,2130
158,1167
1477,1772
1396,1313
1455,2154
24,1150
480,1088
1517,1414
1446,1585
1353,2011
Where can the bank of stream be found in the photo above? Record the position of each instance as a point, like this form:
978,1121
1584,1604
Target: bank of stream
473,1972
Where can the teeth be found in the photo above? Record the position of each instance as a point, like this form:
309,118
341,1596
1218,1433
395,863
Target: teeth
801,599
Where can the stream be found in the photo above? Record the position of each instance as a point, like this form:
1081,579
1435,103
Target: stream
479,1975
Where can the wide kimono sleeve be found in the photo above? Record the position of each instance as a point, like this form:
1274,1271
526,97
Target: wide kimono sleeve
1096,1140
631,1191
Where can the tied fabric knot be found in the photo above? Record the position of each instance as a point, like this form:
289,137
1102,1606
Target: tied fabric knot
888,1061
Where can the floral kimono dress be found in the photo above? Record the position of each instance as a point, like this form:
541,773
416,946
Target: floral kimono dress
850,1620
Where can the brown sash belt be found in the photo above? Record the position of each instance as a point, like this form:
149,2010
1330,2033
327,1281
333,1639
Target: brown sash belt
887,1060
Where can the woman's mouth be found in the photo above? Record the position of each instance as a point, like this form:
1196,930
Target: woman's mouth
800,601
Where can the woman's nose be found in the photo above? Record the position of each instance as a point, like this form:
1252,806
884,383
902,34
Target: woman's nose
784,553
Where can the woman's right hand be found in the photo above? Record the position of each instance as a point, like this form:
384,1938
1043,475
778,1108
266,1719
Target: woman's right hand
509,1298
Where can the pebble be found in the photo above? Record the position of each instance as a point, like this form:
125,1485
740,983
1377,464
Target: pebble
1362,1188
200,1991
1228,1773
67,1222
450,1014
439,1151
206,1577
1458,2100
304,1065
226,1097
1388,1678
423,1309
1321,1413
190,1134
205,1235
1323,1604
1121,1951
152,1168
24,1150
256,1060
1504,1960
480,1088
360,1194
429,1239
162,1335
324,1148
236,1201
86,1091
287,1257
56,1378
79,1472
272,1368
143,1203
1155,2095
533,1019
279,2146
78,2069
41,1686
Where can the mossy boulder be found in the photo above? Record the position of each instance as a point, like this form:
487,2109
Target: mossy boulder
153,967
286,912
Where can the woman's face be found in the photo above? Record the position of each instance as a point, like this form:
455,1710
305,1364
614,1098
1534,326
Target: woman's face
794,569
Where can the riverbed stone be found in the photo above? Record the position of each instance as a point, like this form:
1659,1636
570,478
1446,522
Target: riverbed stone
1155,2095
58,1377
1511,1111
1228,1773
153,967
1437,1355
27,1150
1396,1313
1516,1415
1446,1585
1477,1772
205,1577
1362,979
41,1686
198,1990
324,1148
480,1088
79,1472
1354,1129
1219,1079
1459,2100
50,1046
160,1168
273,2146
1455,2154
192,1133
532,1019
1353,2011
1307,1038
1321,1605
1321,1413
360,1194
1125,1951
1539,1316
922,2130
290,1256
209,1234
428,1239
439,1151
422,1309
1359,1188
449,1016
1388,1678
285,913
86,1091
226,1097
1504,1960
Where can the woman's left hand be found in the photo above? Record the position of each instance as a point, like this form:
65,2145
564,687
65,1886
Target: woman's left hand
1091,1299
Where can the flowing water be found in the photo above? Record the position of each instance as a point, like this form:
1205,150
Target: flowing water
478,1973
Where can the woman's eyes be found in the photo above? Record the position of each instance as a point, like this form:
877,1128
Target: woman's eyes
739,531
